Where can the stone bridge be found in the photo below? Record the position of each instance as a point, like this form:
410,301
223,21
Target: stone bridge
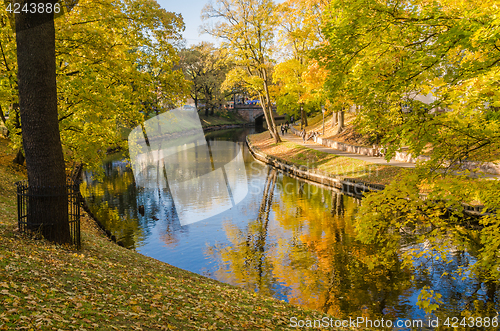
254,113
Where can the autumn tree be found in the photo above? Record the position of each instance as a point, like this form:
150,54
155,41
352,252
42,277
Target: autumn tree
114,63
190,62
386,57
115,67
205,67
9,101
288,77
246,29
36,76
299,31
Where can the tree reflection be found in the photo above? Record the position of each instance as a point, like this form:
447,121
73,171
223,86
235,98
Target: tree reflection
245,259
115,201
445,249
336,276
310,256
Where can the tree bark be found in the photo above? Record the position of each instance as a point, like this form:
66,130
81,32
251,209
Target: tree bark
340,117
303,116
267,104
266,116
48,212
334,119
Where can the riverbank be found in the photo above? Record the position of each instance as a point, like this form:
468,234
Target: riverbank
106,287
210,123
352,175
329,169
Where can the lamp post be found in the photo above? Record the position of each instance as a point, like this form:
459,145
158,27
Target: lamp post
323,111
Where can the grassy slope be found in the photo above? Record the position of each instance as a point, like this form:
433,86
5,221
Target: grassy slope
226,118
339,165
349,135
222,118
106,287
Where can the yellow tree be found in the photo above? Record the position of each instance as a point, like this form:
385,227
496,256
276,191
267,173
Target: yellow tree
115,66
299,32
384,54
205,66
246,29
9,102
288,77
300,87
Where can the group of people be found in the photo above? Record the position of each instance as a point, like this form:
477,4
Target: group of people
303,133
306,136
284,128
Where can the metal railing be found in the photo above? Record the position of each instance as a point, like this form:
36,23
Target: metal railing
40,210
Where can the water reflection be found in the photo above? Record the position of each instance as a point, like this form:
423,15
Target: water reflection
291,240
203,179
309,256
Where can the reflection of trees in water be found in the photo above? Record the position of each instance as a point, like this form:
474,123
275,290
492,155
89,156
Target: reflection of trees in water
235,135
310,257
245,260
463,294
337,203
115,201
327,268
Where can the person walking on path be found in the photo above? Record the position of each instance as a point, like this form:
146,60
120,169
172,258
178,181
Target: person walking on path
304,134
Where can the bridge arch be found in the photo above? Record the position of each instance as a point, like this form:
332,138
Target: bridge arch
255,114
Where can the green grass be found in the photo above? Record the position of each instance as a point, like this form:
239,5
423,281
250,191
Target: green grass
223,118
333,165
106,287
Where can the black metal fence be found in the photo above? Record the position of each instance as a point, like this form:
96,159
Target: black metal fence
37,208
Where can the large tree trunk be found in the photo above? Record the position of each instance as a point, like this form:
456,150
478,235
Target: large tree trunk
303,117
35,35
340,116
334,119
266,103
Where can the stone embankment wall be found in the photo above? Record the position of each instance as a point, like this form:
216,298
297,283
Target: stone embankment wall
486,167
346,185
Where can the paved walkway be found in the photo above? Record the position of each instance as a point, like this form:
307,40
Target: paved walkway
373,159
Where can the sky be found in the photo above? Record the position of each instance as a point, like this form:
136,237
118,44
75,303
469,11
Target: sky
191,12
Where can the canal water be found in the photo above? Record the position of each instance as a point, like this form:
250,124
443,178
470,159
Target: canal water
288,239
